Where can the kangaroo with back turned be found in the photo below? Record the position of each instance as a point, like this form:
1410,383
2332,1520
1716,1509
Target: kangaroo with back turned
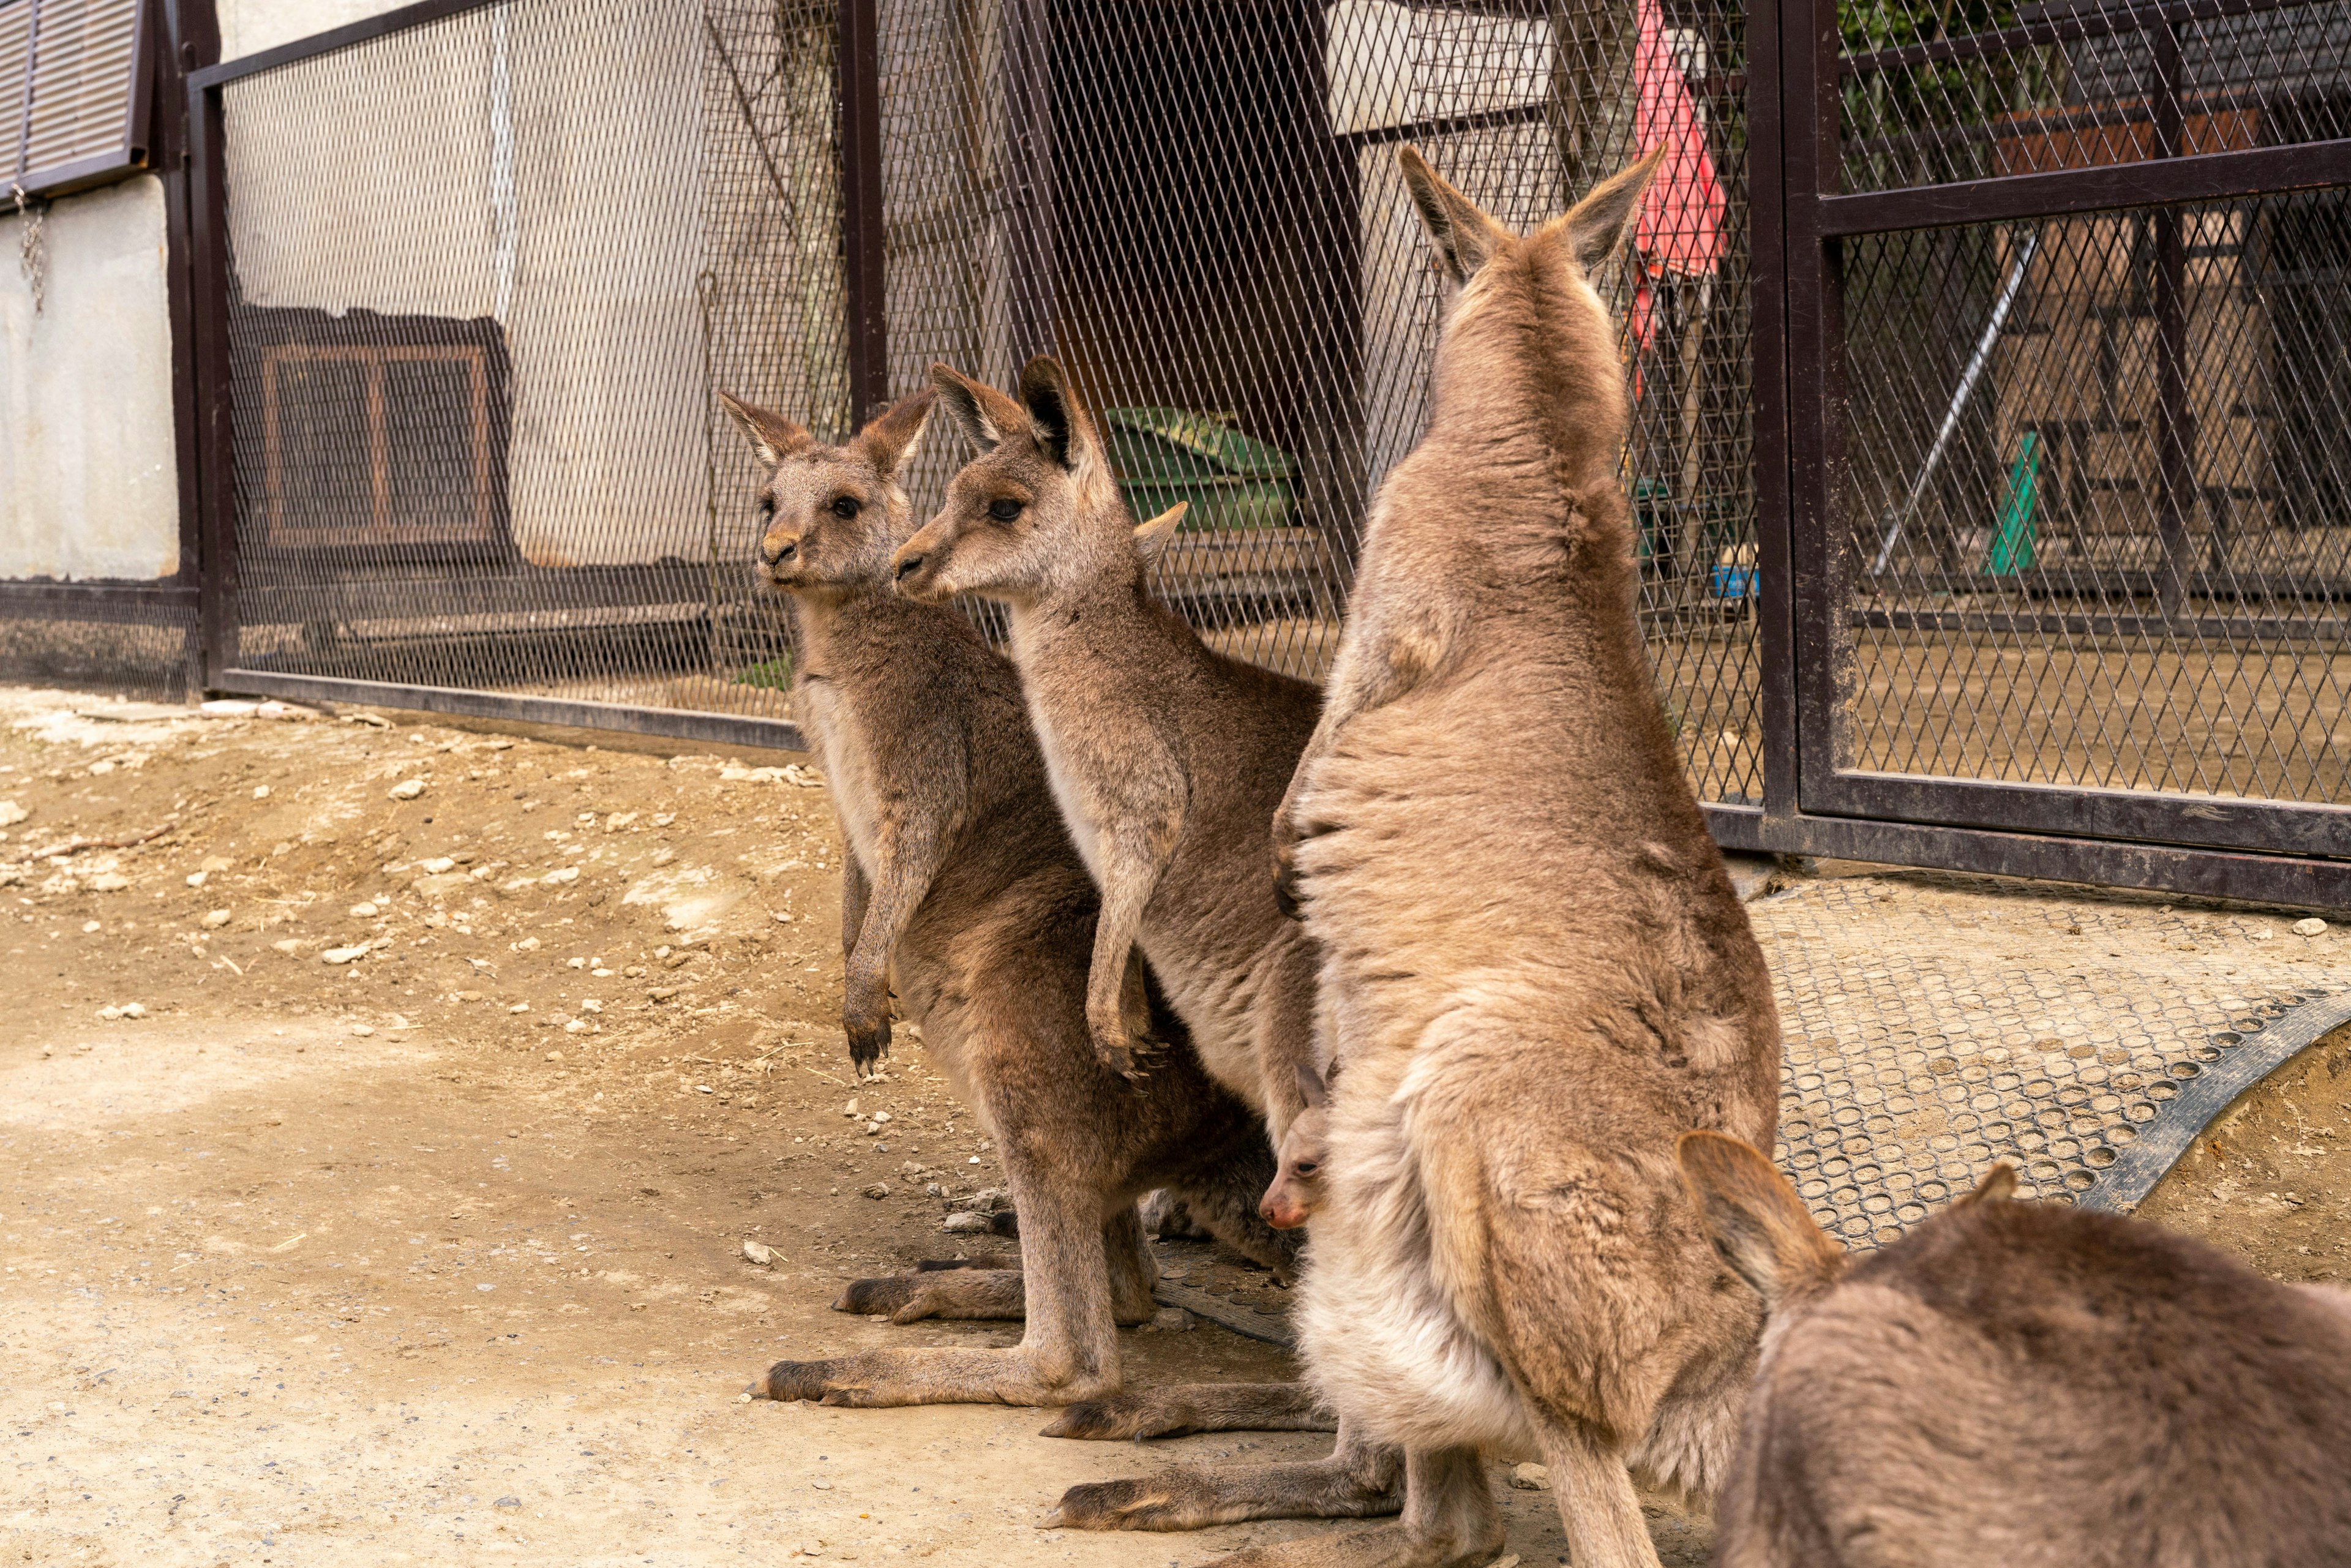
959,882
1535,974
2024,1384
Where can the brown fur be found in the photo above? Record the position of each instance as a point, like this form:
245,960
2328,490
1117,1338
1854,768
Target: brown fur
959,881
1166,757
1535,972
2026,1385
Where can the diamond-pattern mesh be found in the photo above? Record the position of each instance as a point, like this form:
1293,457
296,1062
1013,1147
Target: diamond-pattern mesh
2098,496
1984,87
476,331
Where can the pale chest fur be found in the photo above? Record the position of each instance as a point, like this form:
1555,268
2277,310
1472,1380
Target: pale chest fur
832,725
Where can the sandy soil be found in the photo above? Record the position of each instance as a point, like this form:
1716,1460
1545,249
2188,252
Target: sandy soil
435,1251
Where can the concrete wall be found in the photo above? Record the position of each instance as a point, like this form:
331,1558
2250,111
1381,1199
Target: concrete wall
89,482
532,163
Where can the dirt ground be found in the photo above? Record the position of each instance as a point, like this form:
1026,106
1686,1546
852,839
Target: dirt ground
384,1105
315,1255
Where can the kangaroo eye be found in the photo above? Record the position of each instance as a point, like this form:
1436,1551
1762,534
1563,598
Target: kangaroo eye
1004,511
1308,1167
845,507
767,506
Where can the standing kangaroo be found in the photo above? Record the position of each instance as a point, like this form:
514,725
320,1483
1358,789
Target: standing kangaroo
1167,760
959,879
2027,1385
1166,757
1535,972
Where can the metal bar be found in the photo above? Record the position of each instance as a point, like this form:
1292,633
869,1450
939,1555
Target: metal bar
1768,276
533,592
1442,125
2102,23
1816,392
726,729
2062,579
333,38
1975,369
2137,629
2205,177
2143,816
2138,1164
26,600
2285,881
190,34
2174,423
215,466
82,175
858,60
1029,177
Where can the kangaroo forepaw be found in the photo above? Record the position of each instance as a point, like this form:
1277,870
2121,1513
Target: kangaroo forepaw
868,1044
1116,1417
1285,880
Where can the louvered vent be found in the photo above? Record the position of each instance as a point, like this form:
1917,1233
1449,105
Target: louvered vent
72,79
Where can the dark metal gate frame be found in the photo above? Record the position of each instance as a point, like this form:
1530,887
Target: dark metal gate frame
2177,842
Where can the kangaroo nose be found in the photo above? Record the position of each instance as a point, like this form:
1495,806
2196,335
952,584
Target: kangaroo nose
775,552
908,567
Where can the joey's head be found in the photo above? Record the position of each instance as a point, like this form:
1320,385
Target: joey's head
1037,513
1296,1189
1513,291
831,514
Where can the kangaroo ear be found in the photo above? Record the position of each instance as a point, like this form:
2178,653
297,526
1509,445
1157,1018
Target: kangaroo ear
1596,226
984,414
1759,1224
1311,1084
773,436
1459,229
891,438
1152,537
1060,422
1998,1187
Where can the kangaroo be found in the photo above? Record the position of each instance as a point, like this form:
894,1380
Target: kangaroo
1167,759
2024,1384
1535,973
1296,1189
960,881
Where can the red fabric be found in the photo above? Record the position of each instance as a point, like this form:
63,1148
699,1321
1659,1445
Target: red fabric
1680,225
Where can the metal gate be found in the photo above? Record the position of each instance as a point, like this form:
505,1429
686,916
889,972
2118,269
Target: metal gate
2069,497
1989,460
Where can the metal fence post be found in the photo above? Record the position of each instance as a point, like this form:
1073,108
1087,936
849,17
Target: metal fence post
859,61
209,286
1029,174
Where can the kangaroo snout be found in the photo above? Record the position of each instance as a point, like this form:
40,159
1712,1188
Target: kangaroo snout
775,551
907,567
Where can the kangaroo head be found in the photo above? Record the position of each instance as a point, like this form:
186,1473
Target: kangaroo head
1035,513
832,514
1509,283
1296,1189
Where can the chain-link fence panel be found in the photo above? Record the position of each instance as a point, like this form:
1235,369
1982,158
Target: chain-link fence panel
2093,478
476,333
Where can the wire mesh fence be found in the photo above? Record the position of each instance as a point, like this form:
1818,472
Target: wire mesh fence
2095,480
477,333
